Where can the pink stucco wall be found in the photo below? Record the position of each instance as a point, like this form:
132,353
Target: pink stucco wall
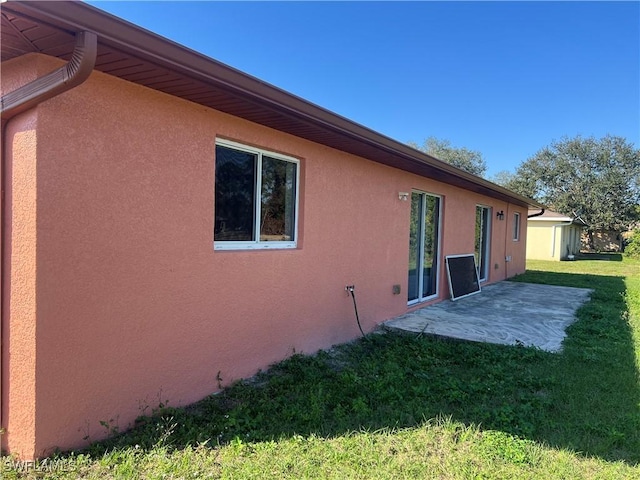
127,304
19,268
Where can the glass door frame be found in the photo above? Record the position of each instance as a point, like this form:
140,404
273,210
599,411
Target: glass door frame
483,254
420,247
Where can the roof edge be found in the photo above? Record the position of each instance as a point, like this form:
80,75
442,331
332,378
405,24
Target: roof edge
128,37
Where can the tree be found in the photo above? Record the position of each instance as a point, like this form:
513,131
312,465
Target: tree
599,180
469,160
503,177
633,247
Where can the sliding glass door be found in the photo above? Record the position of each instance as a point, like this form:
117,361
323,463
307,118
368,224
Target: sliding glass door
423,246
483,229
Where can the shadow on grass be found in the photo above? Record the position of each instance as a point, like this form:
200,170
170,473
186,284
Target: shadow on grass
584,399
612,257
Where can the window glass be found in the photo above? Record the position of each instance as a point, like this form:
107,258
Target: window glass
277,210
483,214
235,194
430,254
255,198
423,246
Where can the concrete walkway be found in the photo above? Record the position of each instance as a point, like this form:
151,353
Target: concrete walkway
508,313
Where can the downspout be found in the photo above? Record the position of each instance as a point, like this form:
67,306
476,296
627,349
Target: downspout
541,212
59,81
69,76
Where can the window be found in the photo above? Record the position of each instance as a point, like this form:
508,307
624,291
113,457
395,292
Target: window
256,198
516,227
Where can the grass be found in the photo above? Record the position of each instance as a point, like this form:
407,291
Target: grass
398,406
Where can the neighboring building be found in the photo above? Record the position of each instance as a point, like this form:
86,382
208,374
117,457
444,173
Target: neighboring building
169,221
603,241
553,236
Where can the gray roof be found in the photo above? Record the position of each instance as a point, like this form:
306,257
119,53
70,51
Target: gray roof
549,216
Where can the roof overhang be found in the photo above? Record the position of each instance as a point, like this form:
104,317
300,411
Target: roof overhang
555,217
134,54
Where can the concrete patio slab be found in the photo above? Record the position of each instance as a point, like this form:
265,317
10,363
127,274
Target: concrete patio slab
509,313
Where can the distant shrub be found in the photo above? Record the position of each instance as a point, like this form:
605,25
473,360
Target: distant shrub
633,247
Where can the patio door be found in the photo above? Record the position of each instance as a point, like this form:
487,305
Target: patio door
424,247
483,229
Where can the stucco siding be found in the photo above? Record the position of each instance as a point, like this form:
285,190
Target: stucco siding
538,242
134,307
19,310
552,240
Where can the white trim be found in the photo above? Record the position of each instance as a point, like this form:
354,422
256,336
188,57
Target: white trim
487,248
550,219
256,150
257,244
516,226
222,245
421,299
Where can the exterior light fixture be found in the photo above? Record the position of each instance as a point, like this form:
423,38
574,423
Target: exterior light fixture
500,215
404,196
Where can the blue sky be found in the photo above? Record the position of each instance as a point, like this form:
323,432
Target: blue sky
503,78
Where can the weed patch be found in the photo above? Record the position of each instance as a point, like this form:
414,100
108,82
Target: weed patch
399,406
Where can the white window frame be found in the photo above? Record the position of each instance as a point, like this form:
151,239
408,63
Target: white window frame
516,226
257,244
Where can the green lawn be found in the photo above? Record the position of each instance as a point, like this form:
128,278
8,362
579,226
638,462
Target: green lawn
397,406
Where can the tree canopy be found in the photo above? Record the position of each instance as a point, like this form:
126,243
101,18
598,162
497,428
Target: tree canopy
598,180
469,160
503,177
